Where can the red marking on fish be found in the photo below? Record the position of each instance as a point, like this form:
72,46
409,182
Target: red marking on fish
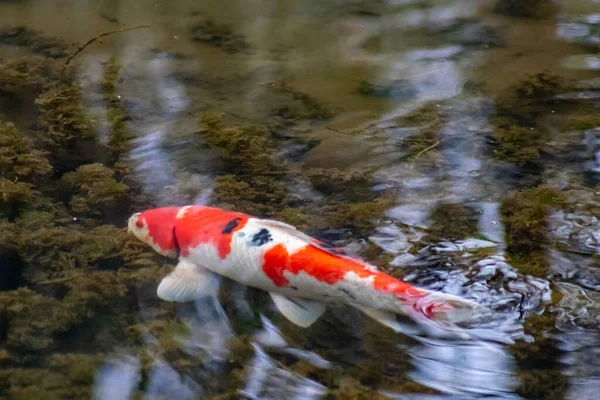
329,268
275,262
201,225
160,223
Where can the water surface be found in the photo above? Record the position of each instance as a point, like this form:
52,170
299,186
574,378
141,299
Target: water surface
455,144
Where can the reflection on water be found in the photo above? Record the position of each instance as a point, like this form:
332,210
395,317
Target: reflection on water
415,134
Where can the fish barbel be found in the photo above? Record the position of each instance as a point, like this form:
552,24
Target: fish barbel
301,273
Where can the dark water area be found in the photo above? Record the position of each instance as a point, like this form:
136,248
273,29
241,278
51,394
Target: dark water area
455,144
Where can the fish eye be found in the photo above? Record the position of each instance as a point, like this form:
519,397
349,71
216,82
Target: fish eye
139,223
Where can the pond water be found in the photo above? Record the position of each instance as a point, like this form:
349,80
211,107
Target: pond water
455,144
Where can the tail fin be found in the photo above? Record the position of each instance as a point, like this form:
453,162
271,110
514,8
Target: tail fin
429,308
444,307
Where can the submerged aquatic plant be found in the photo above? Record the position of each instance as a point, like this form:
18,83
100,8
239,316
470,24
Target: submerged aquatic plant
538,9
26,77
219,35
64,128
20,168
38,42
531,96
95,191
539,368
525,217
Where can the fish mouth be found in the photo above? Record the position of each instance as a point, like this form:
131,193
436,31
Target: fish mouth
132,220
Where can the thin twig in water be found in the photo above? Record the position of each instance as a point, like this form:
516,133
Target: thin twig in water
225,111
97,37
339,131
59,280
425,150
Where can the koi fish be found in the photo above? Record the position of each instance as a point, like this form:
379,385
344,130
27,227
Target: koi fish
301,274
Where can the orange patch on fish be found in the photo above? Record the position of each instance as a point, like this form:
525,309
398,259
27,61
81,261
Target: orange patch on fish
328,268
202,225
160,223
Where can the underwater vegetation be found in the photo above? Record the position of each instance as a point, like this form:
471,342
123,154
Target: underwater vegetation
66,263
525,216
75,272
76,288
208,31
539,368
300,107
398,90
24,78
519,136
38,42
537,9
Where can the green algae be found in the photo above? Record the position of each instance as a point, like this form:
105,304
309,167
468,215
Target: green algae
63,127
397,90
18,159
537,9
301,106
26,77
582,122
21,166
519,136
116,115
539,368
525,217
254,180
22,36
94,191
532,96
63,376
361,216
451,221
516,144
208,31
347,185
429,121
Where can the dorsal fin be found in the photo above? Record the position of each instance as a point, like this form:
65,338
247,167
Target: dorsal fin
292,230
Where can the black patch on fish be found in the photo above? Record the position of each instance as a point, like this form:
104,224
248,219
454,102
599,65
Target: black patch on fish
293,287
262,237
231,225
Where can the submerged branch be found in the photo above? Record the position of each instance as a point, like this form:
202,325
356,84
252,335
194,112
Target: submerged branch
97,37
425,150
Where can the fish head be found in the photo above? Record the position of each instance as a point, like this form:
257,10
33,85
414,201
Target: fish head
156,228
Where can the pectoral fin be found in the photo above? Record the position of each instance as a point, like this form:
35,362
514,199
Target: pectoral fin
301,312
188,282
